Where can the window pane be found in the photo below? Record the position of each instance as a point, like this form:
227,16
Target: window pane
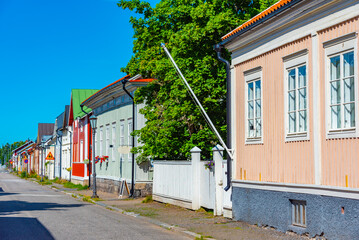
258,89
335,68
258,128
335,117
292,123
302,121
250,128
291,79
349,89
250,109
302,98
349,115
335,92
291,101
348,64
258,108
302,76
250,91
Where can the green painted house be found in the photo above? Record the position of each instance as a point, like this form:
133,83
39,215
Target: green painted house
113,108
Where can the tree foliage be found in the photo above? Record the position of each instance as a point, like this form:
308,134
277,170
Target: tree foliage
5,151
190,29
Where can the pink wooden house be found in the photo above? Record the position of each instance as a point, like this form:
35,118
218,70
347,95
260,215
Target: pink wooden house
295,128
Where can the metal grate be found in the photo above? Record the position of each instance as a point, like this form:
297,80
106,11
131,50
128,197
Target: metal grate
299,213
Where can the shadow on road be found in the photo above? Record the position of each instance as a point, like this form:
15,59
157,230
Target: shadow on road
23,228
14,207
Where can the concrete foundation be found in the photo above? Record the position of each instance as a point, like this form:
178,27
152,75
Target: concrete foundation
331,217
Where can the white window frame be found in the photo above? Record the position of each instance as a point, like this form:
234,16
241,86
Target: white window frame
129,137
294,61
253,75
81,150
338,47
107,143
101,141
122,133
113,149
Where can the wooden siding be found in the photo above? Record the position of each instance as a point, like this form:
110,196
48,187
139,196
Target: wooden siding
275,160
340,161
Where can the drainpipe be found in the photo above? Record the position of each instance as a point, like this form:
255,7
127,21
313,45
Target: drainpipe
91,146
218,48
133,138
60,141
70,131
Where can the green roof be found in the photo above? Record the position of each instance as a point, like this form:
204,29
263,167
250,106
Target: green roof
78,96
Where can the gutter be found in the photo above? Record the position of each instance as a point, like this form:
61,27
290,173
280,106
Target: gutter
218,48
260,21
124,81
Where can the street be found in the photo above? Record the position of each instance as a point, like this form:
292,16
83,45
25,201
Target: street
31,211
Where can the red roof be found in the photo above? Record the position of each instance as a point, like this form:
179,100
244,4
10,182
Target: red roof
266,12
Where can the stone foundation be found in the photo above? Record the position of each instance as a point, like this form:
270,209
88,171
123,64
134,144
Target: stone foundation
113,186
82,182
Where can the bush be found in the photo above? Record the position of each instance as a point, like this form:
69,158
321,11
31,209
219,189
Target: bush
33,174
23,174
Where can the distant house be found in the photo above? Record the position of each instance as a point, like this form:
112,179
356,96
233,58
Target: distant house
23,157
44,129
113,108
81,135
295,113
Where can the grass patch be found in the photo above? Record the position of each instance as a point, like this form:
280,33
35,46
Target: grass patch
147,199
75,186
144,211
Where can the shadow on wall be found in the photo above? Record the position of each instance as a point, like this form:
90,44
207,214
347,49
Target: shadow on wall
23,228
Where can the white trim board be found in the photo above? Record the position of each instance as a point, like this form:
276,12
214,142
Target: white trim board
352,193
294,27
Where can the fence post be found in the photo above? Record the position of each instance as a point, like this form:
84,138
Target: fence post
196,183
218,174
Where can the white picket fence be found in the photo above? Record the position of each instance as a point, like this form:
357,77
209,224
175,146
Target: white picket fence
189,184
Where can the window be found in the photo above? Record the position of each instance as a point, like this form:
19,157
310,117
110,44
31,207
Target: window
101,140
81,150
122,133
296,95
298,213
341,81
129,138
107,139
113,149
253,105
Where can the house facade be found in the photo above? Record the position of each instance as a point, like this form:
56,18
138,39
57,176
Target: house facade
113,108
80,136
43,129
295,118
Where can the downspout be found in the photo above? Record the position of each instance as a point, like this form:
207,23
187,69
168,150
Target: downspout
218,48
70,131
91,145
133,138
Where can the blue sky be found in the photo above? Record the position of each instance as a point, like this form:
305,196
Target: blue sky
48,48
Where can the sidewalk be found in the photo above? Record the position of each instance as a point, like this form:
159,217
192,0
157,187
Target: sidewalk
198,224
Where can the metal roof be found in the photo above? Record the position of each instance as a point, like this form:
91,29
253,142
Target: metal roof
77,96
260,18
44,129
115,90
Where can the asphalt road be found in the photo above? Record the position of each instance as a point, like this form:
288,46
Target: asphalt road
30,211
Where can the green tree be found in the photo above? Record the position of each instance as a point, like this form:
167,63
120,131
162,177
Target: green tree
190,28
6,150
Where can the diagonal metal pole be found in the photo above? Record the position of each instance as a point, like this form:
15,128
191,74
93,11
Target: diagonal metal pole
197,101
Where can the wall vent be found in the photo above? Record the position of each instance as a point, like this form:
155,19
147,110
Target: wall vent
299,212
